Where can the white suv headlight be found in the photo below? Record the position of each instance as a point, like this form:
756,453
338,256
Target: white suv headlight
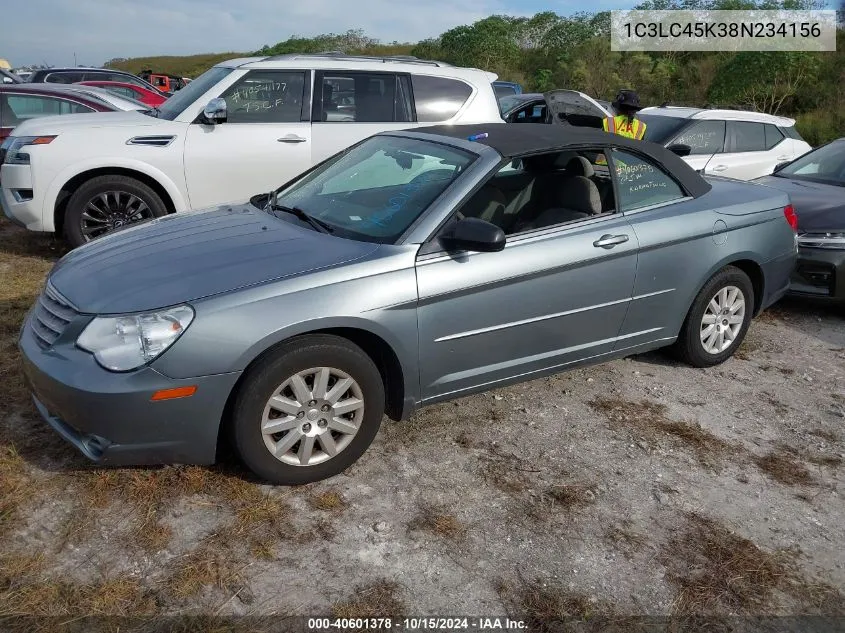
823,240
127,342
10,149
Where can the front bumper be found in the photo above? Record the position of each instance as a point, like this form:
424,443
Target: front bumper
109,416
17,197
819,273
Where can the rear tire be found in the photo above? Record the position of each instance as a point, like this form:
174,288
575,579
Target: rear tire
718,320
107,203
313,396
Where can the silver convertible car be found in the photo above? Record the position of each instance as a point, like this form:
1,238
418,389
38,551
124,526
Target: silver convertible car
412,268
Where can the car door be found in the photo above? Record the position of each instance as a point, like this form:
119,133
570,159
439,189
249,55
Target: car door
350,106
746,155
705,139
676,238
265,142
552,297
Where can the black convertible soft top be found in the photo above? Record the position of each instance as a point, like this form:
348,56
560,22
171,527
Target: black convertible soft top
518,139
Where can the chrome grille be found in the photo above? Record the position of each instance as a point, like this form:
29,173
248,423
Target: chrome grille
50,317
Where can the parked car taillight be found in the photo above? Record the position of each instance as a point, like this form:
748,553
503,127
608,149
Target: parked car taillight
791,218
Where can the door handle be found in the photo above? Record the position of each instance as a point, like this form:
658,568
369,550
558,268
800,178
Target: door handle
292,138
719,168
609,241
784,158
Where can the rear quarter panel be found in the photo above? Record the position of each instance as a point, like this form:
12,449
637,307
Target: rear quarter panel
683,245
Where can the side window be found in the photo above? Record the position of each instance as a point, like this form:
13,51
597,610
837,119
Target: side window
503,91
642,183
530,114
63,78
747,136
706,137
544,190
122,91
266,96
438,98
362,98
22,107
773,135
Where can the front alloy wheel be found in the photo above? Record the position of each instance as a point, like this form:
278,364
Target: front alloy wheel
313,416
307,409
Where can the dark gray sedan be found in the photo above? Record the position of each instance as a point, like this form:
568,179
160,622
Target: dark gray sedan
412,268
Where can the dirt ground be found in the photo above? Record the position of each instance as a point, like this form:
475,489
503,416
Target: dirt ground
636,487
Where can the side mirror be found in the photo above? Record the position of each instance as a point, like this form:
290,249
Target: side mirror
680,150
215,112
780,166
473,234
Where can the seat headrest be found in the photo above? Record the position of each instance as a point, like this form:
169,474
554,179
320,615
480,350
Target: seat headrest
580,194
580,166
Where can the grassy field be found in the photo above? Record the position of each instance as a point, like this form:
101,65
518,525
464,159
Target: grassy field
182,66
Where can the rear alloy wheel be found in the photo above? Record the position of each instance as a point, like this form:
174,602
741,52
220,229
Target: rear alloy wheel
108,203
307,410
718,320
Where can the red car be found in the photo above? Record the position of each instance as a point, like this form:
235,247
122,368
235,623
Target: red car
19,102
139,93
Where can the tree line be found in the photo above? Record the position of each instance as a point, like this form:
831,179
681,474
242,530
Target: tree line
547,51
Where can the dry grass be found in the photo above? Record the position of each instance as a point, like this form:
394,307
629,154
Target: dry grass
328,501
376,600
438,522
649,419
211,563
826,435
549,607
784,468
26,591
624,538
16,485
716,571
570,496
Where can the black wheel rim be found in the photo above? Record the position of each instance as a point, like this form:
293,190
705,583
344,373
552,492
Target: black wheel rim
112,210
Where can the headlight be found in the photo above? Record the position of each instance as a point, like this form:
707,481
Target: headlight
834,240
127,342
10,149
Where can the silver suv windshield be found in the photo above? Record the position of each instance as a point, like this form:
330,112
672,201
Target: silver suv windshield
376,190
183,98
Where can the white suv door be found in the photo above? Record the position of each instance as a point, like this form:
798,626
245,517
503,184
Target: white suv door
350,106
265,141
706,140
752,150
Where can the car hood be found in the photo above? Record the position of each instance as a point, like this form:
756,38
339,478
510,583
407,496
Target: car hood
66,122
187,256
819,207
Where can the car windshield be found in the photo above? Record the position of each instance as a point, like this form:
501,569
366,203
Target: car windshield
376,190
825,164
183,98
660,128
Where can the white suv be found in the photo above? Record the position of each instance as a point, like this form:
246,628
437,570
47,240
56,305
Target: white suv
732,143
242,128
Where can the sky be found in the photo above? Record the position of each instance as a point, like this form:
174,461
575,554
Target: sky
52,31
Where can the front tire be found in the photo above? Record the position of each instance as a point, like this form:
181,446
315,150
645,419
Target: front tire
718,320
308,410
108,203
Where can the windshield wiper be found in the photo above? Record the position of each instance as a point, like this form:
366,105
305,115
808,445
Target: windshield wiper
319,225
